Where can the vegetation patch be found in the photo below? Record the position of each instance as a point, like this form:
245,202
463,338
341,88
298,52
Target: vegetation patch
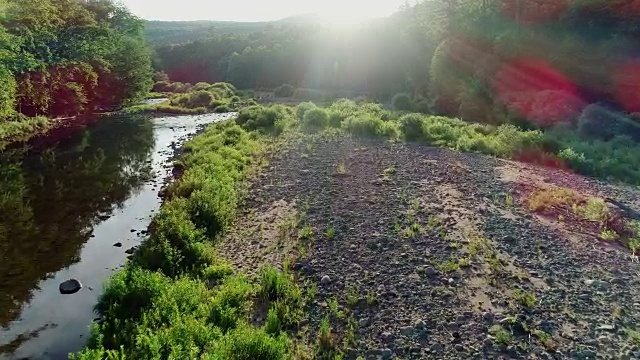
175,298
605,222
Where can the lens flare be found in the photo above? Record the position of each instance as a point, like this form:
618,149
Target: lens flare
537,91
626,85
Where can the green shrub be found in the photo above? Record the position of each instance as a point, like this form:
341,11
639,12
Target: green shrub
411,126
302,108
315,118
200,86
369,125
274,285
272,324
223,90
615,159
245,343
263,117
335,119
171,87
600,122
284,91
200,99
8,89
403,102
224,108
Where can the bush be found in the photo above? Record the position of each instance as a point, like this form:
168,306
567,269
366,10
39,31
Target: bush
284,91
369,125
411,126
302,108
601,122
263,117
200,86
614,159
249,344
173,87
403,102
315,118
200,99
335,119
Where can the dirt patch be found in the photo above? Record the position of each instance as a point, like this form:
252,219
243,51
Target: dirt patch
261,237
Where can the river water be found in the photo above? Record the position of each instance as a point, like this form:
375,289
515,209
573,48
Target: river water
63,207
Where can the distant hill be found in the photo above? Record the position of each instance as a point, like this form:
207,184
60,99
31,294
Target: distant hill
178,32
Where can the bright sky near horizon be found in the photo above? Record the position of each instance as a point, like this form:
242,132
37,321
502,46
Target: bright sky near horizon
259,10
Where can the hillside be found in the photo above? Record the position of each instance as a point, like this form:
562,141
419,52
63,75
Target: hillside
179,32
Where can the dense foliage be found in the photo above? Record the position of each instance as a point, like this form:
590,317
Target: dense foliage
490,61
65,57
176,299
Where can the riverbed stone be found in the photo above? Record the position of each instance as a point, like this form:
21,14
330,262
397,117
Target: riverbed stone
71,286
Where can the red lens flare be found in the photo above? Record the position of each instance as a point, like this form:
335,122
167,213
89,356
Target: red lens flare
626,85
536,90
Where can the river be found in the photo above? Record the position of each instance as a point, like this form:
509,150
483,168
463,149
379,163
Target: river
63,208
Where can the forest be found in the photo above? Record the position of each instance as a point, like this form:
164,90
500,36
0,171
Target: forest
67,57
480,60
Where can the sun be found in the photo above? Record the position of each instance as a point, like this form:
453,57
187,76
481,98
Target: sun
344,19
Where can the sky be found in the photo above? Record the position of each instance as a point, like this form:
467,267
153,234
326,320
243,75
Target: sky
260,10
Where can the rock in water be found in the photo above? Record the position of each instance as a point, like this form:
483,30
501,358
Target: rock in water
70,287
119,244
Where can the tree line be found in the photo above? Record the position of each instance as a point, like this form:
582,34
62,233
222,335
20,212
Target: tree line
485,60
66,57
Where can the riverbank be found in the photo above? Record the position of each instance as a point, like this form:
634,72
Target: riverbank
107,179
248,264
176,290
197,100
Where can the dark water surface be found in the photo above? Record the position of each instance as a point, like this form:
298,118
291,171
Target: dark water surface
62,209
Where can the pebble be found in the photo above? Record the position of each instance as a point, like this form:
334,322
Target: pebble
387,353
69,287
430,271
420,324
407,331
437,348
386,336
488,317
596,283
606,327
363,322
325,280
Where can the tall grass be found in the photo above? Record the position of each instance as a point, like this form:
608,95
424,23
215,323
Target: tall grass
175,299
21,128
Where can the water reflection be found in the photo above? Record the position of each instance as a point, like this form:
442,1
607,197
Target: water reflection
51,199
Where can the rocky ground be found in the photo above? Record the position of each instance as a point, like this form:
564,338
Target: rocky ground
424,253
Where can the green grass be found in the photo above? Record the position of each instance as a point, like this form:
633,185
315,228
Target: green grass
330,233
525,299
21,129
176,299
